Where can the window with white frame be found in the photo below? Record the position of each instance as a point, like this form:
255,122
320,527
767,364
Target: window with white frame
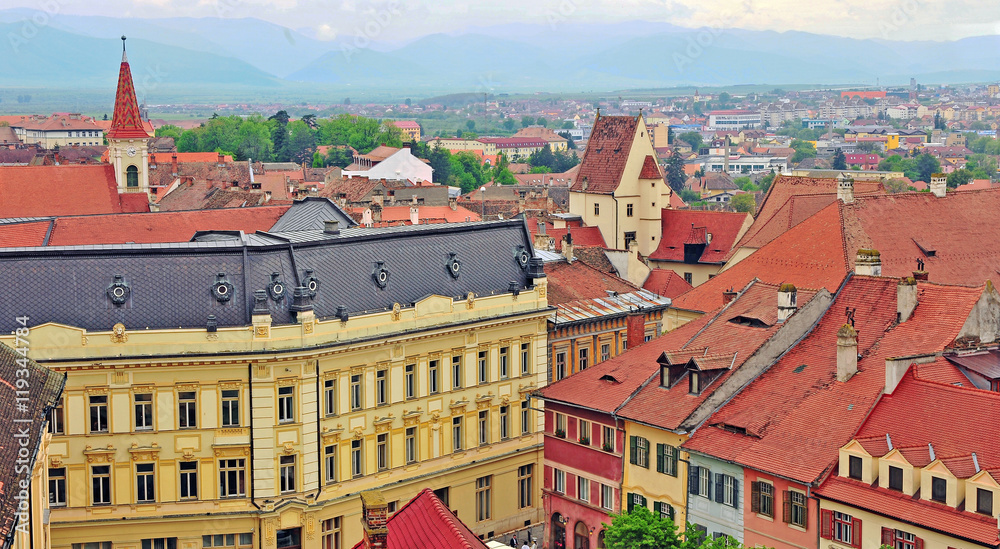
559,481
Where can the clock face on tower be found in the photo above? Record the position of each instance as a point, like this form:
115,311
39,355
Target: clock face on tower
130,151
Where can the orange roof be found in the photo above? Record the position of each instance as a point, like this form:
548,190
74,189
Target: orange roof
28,233
606,154
31,191
677,226
779,409
650,169
666,282
577,280
427,522
582,236
167,158
426,214
127,120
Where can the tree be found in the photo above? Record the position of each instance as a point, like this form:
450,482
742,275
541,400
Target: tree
508,124
301,142
675,172
765,182
927,165
640,529
169,130
568,125
840,160
570,143
347,100
501,173
542,157
691,138
689,196
279,131
542,122
744,203
959,177
894,186
471,124
527,121
803,150
339,156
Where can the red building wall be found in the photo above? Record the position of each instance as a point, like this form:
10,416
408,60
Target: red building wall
761,531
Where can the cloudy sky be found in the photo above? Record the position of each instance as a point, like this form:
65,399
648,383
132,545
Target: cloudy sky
895,19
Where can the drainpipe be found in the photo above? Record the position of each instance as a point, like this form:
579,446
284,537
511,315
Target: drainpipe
260,531
616,221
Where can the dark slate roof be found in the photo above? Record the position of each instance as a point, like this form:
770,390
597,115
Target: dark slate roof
43,390
310,213
170,285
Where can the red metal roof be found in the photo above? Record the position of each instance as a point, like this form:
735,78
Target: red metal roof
678,227
778,410
607,152
34,191
425,522
666,282
127,120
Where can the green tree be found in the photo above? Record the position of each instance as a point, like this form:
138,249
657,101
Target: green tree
765,182
339,156
279,132
542,122
254,140
471,124
744,203
927,165
568,125
527,121
691,138
689,196
501,173
803,150
675,172
169,130
508,124
959,177
542,157
570,143
301,142
894,186
840,160
641,529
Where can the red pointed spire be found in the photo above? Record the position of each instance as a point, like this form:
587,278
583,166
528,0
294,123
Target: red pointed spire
127,122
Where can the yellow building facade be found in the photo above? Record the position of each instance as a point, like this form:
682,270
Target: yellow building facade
262,435
658,480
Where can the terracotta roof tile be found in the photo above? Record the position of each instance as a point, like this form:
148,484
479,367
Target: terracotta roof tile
574,281
606,154
679,226
666,282
31,191
24,234
426,522
650,169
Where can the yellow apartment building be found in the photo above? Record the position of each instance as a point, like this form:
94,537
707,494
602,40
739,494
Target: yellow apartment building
241,390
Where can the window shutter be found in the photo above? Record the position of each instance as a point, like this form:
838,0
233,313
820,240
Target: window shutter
660,458
755,496
646,452
693,480
736,493
919,542
674,453
670,511
786,514
856,532
719,495
887,535
630,502
656,508
642,500
631,450
826,524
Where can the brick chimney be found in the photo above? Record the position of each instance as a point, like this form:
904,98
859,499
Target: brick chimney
939,184
635,326
375,516
728,296
845,188
453,204
222,160
786,301
847,352
906,298
173,166
868,263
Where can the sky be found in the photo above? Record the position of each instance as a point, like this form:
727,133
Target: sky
330,19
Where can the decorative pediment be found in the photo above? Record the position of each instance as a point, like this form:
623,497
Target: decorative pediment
147,453
855,447
227,451
331,436
99,455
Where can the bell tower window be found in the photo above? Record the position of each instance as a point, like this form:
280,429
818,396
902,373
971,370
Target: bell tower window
131,176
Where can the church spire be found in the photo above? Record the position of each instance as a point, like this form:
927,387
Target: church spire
127,121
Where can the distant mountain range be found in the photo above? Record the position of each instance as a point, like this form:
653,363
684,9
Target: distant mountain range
80,51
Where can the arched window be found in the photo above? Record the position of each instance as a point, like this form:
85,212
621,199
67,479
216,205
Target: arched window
600,540
131,176
581,536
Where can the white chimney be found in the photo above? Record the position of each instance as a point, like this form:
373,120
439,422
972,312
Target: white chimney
847,352
868,263
939,184
845,188
786,301
414,216
906,298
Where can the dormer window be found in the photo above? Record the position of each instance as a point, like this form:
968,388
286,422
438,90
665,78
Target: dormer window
984,501
939,489
694,383
855,467
895,478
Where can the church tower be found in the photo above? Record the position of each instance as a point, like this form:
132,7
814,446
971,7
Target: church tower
128,142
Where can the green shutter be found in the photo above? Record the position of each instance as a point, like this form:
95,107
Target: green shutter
660,457
631,450
656,508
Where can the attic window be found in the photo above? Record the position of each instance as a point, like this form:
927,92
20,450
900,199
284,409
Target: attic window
749,321
733,428
926,248
609,377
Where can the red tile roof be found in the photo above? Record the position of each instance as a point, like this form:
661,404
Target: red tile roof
607,152
924,514
582,236
666,282
650,169
426,214
127,120
730,344
812,256
577,280
32,191
22,234
426,522
779,409
676,227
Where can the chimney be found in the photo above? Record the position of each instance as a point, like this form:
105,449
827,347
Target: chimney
378,199
541,227
173,166
847,352
868,263
920,275
895,369
267,196
728,296
453,204
414,216
375,515
906,298
786,301
376,213
567,247
845,188
635,325
939,184
331,227
222,160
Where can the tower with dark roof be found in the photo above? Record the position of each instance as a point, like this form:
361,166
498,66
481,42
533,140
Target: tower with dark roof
128,142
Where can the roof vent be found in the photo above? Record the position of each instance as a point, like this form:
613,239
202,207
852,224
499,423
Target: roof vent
380,275
276,288
331,227
260,302
118,292
341,313
514,287
888,441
